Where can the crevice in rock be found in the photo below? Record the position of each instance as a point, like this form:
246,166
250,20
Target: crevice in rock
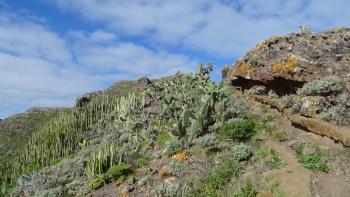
280,85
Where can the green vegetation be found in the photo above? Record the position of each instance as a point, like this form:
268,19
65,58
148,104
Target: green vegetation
269,156
173,146
324,86
118,170
242,152
315,160
98,182
249,190
113,173
275,160
258,90
187,115
162,138
256,185
240,129
16,130
220,175
209,142
60,136
340,113
143,160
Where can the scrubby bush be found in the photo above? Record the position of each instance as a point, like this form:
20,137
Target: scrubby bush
143,161
296,107
313,161
113,173
258,90
209,141
323,86
242,152
239,129
98,181
272,94
340,113
249,190
287,101
118,170
172,190
173,146
220,175
176,167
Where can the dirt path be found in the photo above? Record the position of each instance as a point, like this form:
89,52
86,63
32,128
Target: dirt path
293,177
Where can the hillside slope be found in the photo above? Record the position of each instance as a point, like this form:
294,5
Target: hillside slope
16,130
184,135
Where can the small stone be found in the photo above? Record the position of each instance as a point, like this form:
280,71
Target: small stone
293,143
143,181
131,180
128,188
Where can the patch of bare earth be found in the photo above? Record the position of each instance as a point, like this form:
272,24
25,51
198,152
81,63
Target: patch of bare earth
293,177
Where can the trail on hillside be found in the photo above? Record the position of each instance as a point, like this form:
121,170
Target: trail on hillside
293,177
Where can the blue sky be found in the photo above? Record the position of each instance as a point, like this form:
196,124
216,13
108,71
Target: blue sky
52,51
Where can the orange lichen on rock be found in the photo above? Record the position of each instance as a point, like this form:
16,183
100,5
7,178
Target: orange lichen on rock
124,194
277,68
288,67
242,69
181,156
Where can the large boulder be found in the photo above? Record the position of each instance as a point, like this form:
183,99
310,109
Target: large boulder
293,59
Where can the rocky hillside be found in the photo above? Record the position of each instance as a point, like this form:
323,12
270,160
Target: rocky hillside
16,130
305,72
184,135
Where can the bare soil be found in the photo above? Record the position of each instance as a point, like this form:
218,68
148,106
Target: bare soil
293,177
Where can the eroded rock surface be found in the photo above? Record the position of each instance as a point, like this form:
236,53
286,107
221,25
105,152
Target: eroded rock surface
294,59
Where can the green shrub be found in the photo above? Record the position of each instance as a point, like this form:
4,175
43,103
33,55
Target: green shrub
313,161
162,138
242,152
143,161
239,129
340,113
208,141
173,146
220,175
323,86
249,190
98,181
119,170
261,153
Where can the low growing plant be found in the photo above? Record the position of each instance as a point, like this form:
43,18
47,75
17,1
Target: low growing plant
313,161
242,152
323,86
239,129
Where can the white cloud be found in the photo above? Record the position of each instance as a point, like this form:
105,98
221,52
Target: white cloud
42,68
225,28
129,58
31,39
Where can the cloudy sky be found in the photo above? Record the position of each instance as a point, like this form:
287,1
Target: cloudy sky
51,51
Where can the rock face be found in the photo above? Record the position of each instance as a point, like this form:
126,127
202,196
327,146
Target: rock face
284,63
143,83
86,98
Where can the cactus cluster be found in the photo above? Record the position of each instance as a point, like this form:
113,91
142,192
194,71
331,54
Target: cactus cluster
60,136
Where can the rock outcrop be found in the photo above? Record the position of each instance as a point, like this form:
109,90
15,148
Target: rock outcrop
284,63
